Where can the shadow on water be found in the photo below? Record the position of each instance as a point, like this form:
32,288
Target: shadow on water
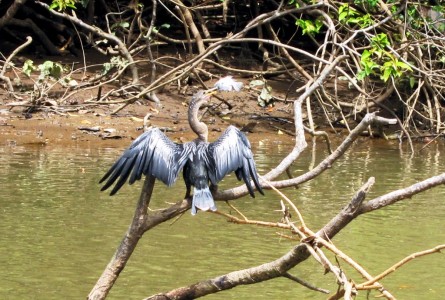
58,231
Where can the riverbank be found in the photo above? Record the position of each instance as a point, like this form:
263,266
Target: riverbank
96,126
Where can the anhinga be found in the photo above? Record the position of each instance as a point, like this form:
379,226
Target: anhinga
153,153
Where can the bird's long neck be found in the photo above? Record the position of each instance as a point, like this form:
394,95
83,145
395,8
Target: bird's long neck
197,126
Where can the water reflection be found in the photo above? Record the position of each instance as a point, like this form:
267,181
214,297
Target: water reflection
58,231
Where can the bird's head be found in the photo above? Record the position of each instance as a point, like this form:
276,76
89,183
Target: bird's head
202,97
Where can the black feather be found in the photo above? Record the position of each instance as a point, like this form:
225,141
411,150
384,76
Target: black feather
153,153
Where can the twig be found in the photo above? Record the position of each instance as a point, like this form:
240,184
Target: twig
305,284
300,217
122,48
401,263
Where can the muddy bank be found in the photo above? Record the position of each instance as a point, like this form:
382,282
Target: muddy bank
95,126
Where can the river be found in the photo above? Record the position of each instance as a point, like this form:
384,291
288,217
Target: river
58,231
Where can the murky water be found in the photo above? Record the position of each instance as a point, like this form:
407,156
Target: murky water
58,231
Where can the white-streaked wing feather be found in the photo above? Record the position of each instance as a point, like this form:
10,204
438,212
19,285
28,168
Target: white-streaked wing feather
152,153
227,154
232,153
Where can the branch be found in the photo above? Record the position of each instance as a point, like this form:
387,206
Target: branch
267,271
299,253
195,61
5,66
401,194
369,119
127,246
10,13
399,264
300,142
122,48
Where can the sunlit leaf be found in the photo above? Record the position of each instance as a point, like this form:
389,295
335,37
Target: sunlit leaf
28,67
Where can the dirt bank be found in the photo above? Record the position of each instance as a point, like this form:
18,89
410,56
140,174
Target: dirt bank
96,126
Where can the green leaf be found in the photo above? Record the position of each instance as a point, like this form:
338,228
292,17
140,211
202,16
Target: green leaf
386,74
62,5
50,69
366,54
106,67
380,41
28,67
361,75
412,81
403,65
120,24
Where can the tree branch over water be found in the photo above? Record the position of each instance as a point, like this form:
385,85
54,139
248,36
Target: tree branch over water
143,221
281,266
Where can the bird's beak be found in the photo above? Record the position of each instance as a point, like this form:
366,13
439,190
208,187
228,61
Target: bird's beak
211,92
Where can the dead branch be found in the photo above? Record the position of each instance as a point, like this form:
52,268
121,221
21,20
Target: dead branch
393,268
8,60
121,46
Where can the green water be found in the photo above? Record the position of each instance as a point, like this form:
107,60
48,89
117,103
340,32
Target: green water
58,231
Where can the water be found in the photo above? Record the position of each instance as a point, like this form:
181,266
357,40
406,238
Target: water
58,231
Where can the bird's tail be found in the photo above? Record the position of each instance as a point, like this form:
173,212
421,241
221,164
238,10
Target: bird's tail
202,199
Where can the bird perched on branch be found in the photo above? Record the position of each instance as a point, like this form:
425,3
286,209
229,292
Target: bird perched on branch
153,153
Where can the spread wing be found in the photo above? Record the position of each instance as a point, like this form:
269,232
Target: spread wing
232,153
152,153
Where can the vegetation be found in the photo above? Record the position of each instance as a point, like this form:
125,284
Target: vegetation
393,52
346,60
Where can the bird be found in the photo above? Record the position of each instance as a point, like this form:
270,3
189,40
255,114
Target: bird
203,164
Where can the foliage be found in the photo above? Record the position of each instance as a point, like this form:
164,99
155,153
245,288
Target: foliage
48,69
120,25
349,15
378,59
310,27
367,3
62,5
28,67
115,62
391,42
